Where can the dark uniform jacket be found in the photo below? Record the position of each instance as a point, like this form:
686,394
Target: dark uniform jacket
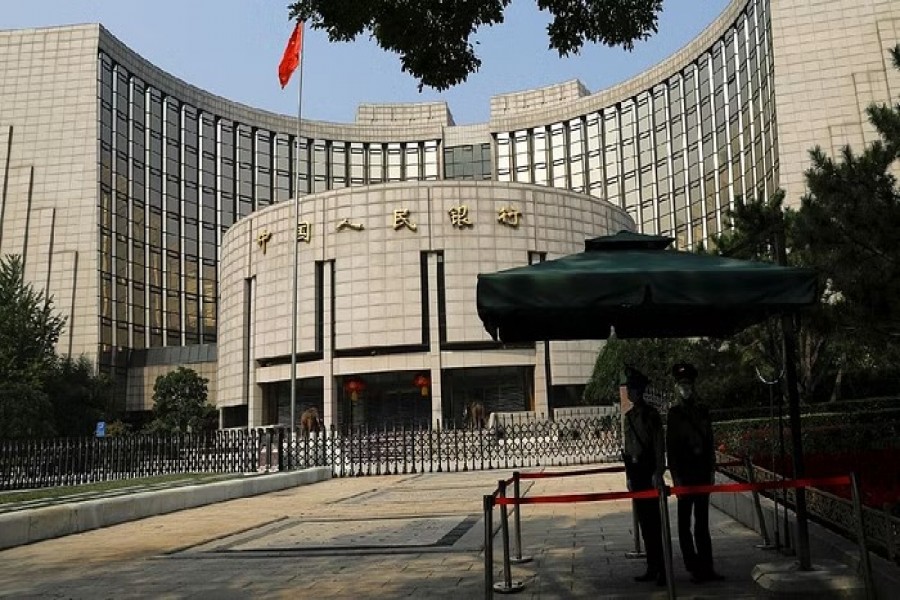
689,443
644,445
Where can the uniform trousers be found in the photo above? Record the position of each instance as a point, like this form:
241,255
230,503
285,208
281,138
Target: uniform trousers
695,542
651,527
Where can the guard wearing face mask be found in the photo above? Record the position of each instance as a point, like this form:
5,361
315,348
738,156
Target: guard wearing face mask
689,442
644,457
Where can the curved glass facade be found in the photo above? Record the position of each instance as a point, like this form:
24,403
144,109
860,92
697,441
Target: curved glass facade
675,156
173,177
119,179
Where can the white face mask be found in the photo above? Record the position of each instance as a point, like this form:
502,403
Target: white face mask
684,390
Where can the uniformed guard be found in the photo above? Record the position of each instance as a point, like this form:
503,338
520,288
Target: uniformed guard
644,458
689,442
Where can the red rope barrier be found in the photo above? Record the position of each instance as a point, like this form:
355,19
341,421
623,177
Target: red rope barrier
679,490
568,498
546,474
759,486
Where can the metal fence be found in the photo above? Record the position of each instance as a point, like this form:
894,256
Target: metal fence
39,463
882,530
359,451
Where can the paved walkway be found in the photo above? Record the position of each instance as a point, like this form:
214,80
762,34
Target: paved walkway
416,536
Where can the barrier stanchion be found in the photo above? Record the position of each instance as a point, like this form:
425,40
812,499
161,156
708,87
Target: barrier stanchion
518,558
507,586
661,493
488,503
636,527
666,538
764,531
861,538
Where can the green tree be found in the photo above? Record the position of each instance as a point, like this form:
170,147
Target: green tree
848,223
29,330
845,228
432,36
29,326
25,411
652,356
757,227
78,396
180,403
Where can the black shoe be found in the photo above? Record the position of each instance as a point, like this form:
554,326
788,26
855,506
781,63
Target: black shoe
704,576
648,576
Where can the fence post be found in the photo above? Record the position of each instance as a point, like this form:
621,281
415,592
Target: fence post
861,538
518,558
763,530
280,449
440,468
666,537
507,586
488,504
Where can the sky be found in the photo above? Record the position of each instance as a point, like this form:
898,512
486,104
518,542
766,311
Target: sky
232,48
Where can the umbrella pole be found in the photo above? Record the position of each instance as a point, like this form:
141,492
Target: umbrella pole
790,380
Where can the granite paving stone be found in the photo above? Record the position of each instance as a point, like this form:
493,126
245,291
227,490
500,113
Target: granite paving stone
395,536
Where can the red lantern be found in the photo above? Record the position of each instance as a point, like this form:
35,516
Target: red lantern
421,381
354,386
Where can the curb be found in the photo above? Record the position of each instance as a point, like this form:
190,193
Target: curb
28,526
824,544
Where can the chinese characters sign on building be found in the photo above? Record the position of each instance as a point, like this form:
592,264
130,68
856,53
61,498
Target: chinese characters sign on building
262,239
509,216
459,217
304,231
401,219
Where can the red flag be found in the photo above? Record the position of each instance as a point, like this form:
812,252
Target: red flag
291,57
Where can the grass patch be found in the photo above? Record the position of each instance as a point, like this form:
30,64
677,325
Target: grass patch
112,486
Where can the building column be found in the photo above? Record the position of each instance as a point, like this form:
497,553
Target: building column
541,374
435,266
330,391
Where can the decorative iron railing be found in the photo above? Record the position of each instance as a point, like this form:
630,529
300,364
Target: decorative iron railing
356,452
70,461
881,529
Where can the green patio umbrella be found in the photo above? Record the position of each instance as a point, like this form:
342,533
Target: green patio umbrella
632,283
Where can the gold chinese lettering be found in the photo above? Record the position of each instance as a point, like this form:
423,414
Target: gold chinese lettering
346,224
262,239
401,219
304,231
509,216
459,216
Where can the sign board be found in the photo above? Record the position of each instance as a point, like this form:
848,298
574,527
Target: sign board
101,429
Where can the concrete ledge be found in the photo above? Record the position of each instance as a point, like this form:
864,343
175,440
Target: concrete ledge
33,525
824,545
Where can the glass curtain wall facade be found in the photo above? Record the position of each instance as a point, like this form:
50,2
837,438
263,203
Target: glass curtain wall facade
674,156
174,177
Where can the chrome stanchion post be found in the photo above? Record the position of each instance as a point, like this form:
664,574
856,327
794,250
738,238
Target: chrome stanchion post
764,531
636,526
518,558
666,538
488,502
861,538
507,586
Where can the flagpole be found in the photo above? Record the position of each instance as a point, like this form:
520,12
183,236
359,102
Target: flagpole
296,247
